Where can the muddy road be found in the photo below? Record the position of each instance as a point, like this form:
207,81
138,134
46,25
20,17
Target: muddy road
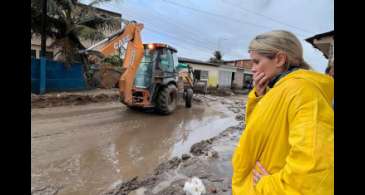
87,149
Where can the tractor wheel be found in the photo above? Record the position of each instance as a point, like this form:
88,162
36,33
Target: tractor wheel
189,97
167,99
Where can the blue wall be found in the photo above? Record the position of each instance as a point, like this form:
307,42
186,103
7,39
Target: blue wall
58,77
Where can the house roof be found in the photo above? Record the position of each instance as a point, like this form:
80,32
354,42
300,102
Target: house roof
319,36
230,61
322,47
194,61
241,63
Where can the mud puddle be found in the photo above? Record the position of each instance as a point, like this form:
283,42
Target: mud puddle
88,149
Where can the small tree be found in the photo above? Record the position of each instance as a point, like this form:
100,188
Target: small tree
217,57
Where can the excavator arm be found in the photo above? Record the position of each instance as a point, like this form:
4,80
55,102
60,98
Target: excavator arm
130,34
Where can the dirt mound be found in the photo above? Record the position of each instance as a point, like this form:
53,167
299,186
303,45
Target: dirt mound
63,99
106,76
201,148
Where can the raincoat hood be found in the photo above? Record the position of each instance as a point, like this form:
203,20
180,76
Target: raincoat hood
324,83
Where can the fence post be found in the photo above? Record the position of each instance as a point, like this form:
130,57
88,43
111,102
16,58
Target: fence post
42,77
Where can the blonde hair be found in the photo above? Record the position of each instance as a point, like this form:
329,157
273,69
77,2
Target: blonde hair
270,43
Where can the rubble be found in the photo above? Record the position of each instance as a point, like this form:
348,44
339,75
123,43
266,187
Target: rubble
173,163
212,154
200,148
185,156
240,117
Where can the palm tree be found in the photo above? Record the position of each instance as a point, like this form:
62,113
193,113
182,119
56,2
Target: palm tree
68,24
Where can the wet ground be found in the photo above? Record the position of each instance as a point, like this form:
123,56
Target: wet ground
212,167
94,148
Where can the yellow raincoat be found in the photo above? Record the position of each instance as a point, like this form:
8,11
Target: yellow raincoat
289,131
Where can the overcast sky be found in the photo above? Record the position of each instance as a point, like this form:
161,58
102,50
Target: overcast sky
198,27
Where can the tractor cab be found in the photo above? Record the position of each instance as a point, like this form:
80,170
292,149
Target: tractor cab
159,63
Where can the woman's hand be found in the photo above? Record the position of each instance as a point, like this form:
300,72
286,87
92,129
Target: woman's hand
257,175
260,81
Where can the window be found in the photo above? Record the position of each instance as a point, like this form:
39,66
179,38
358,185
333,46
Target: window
204,75
166,60
144,72
200,74
175,59
197,74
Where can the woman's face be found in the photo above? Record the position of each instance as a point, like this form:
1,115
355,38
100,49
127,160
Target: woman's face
263,64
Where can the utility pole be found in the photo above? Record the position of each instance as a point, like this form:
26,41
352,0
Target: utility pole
42,78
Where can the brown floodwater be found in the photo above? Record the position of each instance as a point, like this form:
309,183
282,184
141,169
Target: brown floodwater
88,149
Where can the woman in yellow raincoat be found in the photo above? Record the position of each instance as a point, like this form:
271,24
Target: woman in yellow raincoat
287,145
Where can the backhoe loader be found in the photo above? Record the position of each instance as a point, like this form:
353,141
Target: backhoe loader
151,76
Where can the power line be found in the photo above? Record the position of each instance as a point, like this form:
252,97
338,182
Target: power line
190,39
190,35
212,14
268,17
182,27
209,45
205,44
221,16
184,41
176,38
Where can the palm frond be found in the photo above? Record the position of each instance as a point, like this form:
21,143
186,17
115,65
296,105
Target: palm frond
88,33
95,20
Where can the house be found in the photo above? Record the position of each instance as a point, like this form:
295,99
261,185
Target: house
243,75
55,76
51,51
215,75
325,43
